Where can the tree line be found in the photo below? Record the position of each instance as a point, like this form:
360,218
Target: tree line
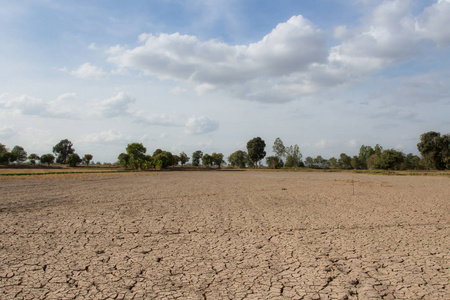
433,147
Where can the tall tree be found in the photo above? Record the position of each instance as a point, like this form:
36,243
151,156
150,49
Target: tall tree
278,148
47,159
136,153
196,157
183,158
3,148
73,160
435,150
19,153
87,159
124,159
239,159
255,149
293,157
217,159
62,150
207,160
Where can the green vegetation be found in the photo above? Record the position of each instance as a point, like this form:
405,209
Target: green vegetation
433,147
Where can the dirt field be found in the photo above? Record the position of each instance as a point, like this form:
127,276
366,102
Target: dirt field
216,235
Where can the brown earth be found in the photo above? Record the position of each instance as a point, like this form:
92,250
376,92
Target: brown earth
216,235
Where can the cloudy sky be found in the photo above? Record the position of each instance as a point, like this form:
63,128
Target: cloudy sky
186,75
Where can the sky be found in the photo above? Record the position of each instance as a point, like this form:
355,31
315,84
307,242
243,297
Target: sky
209,75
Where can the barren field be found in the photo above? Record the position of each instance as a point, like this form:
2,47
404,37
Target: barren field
227,234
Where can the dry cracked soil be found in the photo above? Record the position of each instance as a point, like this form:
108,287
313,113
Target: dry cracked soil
225,235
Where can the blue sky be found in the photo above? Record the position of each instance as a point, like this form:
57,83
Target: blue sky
191,75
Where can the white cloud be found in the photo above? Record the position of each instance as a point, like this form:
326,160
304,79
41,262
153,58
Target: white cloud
103,137
352,143
293,60
33,106
117,105
201,125
88,71
321,144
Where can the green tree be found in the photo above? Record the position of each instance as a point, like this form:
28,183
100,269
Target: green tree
435,150
293,157
356,163
19,153
255,150
378,150
176,160
217,159
47,159
3,148
239,159
196,157
390,159
87,159
33,157
183,158
309,162
274,162
320,162
124,159
345,161
364,153
411,162
278,148
6,158
73,160
333,163
207,160
62,150
136,153
163,159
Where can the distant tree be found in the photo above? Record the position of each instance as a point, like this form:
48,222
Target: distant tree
435,150
239,159
183,158
47,159
390,159
87,159
124,159
163,159
19,153
378,150
3,148
412,162
309,162
371,161
364,153
207,160
176,160
293,157
320,162
6,158
274,162
278,148
157,151
217,159
136,153
345,161
62,150
356,163
73,160
255,150
196,157
33,157
333,163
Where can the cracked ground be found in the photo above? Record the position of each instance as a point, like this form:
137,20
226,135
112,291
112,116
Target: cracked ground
225,235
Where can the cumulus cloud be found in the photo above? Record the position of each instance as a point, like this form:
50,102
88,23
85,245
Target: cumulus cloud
109,136
201,125
88,71
33,106
117,105
293,60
